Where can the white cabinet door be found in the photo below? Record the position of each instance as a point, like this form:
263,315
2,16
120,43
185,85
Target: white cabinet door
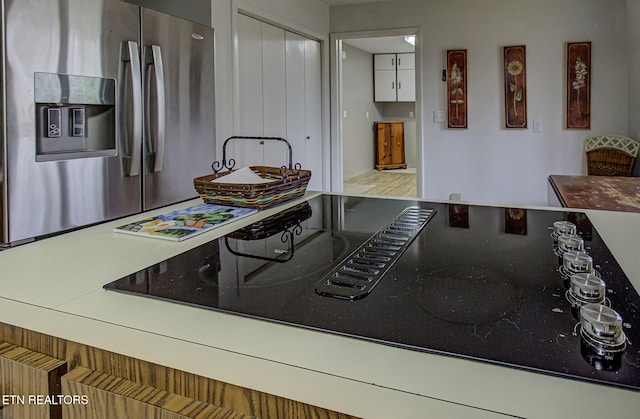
304,105
313,106
385,85
406,80
394,77
274,94
250,92
384,62
296,110
406,61
279,85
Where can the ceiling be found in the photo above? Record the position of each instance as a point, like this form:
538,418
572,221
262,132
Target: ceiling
380,45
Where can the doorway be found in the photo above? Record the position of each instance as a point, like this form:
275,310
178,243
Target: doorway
359,107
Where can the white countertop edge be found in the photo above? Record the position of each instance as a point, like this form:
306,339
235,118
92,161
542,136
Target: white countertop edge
314,387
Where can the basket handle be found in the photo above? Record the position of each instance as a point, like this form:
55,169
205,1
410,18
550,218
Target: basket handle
230,164
287,237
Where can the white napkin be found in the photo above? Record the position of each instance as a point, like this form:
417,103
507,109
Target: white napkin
243,175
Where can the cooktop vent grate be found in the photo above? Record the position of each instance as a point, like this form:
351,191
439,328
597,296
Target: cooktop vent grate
356,276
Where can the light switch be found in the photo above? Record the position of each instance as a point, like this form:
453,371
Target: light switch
438,116
537,126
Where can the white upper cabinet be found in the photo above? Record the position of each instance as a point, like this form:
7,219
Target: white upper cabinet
406,61
384,62
385,86
394,77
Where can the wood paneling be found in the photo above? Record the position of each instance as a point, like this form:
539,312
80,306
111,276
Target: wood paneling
108,397
30,376
206,390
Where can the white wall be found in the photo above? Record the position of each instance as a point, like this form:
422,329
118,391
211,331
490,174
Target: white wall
358,146
486,162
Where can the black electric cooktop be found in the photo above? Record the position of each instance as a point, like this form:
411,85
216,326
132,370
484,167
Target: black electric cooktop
481,283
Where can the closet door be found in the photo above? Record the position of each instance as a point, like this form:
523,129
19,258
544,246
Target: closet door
313,106
304,105
250,115
279,81
296,109
274,94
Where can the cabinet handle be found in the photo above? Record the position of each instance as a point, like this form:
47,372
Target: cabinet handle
399,85
392,62
399,62
393,85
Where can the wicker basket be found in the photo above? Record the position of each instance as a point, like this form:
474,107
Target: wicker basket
286,185
610,155
609,162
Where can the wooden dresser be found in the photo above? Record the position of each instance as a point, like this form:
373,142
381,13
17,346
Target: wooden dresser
389,137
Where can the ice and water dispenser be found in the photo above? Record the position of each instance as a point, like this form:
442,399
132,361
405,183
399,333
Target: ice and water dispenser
75,116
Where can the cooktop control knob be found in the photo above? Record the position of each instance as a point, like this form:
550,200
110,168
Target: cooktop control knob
601,322
576,262
563,227
586,288
569,242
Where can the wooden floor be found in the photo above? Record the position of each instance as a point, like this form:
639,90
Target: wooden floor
382,183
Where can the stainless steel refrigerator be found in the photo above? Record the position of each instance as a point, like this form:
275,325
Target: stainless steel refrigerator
107,110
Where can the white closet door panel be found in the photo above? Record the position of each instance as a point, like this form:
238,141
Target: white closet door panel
296,111
274,93
406,61
279,89
313,108
384,62
406,86
250,92
385,85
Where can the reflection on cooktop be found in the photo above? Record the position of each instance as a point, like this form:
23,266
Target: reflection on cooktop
475,282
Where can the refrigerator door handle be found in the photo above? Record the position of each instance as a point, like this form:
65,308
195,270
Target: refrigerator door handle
156,54
133,56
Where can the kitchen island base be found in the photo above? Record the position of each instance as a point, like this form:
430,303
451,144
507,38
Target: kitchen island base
178,387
